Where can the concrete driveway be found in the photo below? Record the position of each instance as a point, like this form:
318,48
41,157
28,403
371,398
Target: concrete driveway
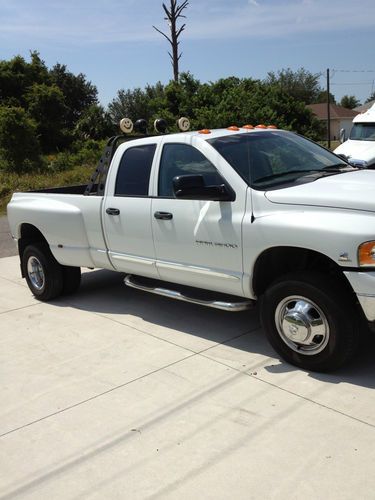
116,394
7,245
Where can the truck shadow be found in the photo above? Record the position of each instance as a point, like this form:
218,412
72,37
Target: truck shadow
200,328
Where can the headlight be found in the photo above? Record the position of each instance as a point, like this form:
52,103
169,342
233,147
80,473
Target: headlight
366,254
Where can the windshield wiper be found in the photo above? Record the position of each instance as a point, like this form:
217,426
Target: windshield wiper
282,174
331,169
337,167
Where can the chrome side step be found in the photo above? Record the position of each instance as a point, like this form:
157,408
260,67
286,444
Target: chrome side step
151,286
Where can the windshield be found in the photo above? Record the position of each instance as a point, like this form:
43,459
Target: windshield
268,158
363,132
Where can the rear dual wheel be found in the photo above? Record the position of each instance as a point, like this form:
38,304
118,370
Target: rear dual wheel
46,278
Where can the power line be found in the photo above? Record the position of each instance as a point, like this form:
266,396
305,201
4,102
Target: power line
353,83
354,70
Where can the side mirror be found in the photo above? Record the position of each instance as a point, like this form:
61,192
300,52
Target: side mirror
342,135
343,157
192,187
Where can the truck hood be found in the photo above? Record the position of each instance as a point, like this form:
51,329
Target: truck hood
357,150
350,190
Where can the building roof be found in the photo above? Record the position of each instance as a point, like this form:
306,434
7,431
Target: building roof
364,107
337,112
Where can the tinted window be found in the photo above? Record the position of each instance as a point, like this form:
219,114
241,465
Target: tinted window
133,175
182,159
363,132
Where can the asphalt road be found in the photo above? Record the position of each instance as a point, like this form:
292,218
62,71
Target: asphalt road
7,245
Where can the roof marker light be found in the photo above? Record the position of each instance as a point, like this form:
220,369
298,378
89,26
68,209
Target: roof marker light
261,126
248,127
204,131
234,128
272,126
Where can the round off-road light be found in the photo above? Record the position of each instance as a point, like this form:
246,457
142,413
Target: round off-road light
183,124
126,126
160,125
140,126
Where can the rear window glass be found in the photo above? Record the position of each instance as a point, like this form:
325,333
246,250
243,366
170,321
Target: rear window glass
133,176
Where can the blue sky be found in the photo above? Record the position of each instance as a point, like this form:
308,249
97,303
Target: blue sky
112,41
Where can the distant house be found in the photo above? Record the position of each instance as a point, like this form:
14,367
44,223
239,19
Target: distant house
364,107
340,118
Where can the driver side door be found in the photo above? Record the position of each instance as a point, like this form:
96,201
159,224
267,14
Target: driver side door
197,242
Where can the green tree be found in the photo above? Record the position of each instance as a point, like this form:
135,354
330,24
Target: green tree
79,94
181,96
45,104
322,97
17,76
302,85
349,102
55,98
217,104
245,101
95,123
19,147
157,101
137,103
370,98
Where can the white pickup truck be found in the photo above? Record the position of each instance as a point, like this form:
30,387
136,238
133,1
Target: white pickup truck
220,218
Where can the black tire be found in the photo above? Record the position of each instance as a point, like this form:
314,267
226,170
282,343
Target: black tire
47,283
72,279
304,302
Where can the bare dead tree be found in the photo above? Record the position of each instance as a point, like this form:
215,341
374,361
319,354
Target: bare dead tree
173,13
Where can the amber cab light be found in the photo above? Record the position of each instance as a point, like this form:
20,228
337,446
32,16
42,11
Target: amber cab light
234,128
204,131
248,127
272,126
261,126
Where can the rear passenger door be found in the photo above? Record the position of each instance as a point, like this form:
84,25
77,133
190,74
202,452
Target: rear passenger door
126,212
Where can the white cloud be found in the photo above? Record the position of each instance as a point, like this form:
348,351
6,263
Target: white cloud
85,22
281,18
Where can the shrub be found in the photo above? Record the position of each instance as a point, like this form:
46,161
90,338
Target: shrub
60,162
19,146
88,152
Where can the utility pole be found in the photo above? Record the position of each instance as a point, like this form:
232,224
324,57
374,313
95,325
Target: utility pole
328,113
173,13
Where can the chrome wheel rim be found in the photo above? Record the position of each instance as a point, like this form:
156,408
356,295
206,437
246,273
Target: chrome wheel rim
35,273
302,325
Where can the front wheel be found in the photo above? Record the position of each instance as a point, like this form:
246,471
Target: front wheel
310,321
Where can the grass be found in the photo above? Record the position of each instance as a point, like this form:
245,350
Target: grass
10,183
334,144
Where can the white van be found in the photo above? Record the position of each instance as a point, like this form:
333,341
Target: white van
359,149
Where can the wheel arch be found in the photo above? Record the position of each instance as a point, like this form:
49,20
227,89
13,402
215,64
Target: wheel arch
277,261
28,234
